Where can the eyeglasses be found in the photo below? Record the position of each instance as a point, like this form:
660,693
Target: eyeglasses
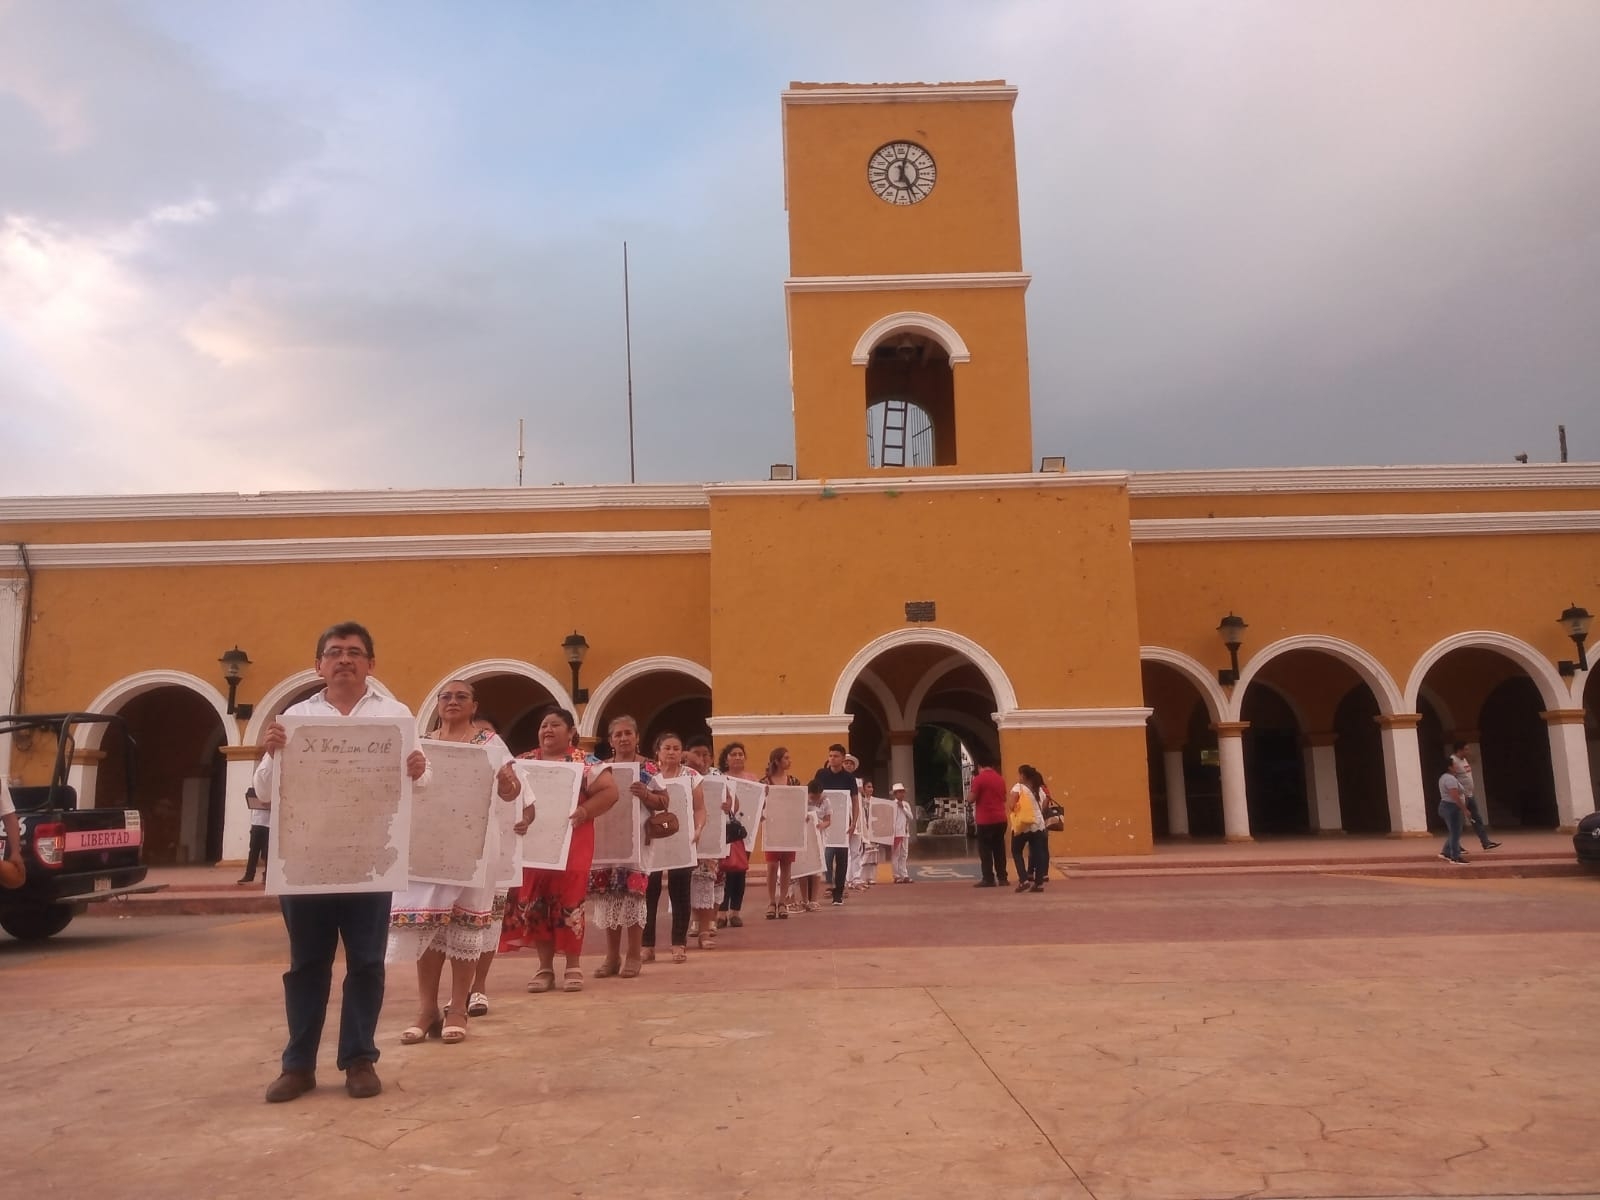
446,697
335,653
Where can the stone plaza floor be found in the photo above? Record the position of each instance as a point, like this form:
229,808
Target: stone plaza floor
1126,1038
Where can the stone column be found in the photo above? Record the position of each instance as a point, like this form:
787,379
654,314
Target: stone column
1322,783
241,775
1569,761
1235,802
83,775
1402,773
902,762
1177,793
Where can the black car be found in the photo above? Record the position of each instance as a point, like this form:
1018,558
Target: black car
1587,840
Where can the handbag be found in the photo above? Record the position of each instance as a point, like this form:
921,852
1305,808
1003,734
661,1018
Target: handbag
660,825
1055,817
736,831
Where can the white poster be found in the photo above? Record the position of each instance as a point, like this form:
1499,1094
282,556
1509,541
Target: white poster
552,788
619,831
837,834
809,860
341,806
665,854
749,798
504,849
880,822
450,817
784,818
713,841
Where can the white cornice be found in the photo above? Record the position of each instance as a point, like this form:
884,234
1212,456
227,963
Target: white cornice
362,549
1432,478
1073,718
919,484
762,724
907,283
900,93
318,504
1381,525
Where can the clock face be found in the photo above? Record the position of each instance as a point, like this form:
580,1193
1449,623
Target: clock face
901,173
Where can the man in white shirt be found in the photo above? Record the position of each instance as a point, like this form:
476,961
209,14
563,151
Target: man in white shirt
1461,768
317,923
260,820
899,860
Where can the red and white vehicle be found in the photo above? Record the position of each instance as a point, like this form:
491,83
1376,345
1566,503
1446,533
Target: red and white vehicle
74,856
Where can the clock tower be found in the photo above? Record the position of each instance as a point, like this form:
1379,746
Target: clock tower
907,327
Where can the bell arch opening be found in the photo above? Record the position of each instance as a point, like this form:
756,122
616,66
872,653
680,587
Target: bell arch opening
910,403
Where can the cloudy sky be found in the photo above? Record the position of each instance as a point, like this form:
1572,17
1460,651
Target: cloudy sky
348,243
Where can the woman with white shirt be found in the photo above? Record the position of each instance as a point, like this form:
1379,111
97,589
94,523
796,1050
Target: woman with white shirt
901,853
1030,844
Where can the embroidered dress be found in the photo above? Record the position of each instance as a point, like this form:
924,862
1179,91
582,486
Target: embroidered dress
616,894
548,905
460,921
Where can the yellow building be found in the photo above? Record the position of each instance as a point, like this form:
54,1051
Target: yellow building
915,573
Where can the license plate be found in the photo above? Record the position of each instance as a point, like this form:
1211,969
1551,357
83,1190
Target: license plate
103,885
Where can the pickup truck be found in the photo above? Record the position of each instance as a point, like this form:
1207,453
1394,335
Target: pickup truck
73,856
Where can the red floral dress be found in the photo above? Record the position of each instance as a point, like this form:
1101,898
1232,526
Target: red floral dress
548,905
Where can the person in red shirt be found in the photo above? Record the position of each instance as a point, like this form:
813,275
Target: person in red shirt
988,799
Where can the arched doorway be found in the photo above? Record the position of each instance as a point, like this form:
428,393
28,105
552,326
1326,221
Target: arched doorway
910,402
1181,745
661,693
1495,701
180,780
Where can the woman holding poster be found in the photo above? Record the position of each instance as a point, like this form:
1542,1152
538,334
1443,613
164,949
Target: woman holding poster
669,756
733,762
779,862
546,911
432,922
616,893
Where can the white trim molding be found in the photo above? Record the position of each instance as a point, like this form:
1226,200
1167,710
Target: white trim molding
365,549
949,281
1373,673
627,673
484,668
937,328
208,505
1073,718
1437,477
1005,696
1379,525
130,687
778,724
899,93
1192,669
1553,690
892,485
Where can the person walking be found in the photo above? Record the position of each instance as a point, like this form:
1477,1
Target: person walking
836,776
260,821
669,760
732,762
1461,768
779,862
1030,844
987,796
1453,809
616,893
317,923
899,859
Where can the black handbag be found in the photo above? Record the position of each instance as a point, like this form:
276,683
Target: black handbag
736,830
1055,817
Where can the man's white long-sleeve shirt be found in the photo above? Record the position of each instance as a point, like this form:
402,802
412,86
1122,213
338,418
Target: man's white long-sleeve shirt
371,704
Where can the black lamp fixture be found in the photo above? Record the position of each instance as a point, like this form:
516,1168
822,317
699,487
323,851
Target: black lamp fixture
1576,621
234,663
576,646
1231,629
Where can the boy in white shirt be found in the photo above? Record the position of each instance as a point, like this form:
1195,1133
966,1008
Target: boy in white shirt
898,859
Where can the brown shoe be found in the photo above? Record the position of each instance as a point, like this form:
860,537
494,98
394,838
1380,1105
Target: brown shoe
291,1085
361,1080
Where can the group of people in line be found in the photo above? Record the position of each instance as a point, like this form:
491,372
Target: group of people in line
550,911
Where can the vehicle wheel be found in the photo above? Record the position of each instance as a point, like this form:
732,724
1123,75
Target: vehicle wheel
36,924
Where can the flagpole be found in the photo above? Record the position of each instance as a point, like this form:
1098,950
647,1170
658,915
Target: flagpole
627,336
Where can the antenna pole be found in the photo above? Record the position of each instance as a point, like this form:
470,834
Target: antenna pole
519,451
627,342
1561,434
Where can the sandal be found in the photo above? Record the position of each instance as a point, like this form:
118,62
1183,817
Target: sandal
608,968
772,912
420,1033
454,1035
648,954
544,981
708,940
736,921
478,1004
680,954
630,969
783,914
572,979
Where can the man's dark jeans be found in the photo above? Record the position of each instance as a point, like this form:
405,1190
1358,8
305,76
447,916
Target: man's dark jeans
838,860
316,924
992,852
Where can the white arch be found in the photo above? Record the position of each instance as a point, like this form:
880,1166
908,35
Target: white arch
1553,689
1446,714
1205,681
132,686
911,322
1005,696
1363,663
892,712
625,674
482,669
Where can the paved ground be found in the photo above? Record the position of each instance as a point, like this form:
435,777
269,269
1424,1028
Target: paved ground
1196,1035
